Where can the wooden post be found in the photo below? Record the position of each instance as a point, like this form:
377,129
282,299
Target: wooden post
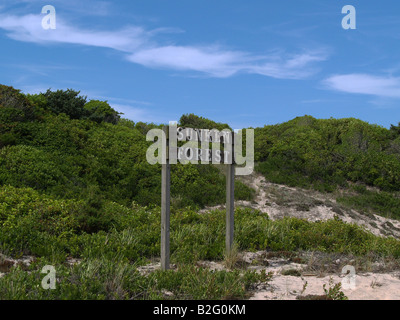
165,208
230,205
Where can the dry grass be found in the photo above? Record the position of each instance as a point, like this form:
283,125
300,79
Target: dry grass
231,258
332,263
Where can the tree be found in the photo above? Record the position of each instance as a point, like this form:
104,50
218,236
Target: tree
395,130
101,111
68,102
14,106
193,121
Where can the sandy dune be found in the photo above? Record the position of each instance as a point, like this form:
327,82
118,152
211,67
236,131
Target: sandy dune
282,201
368,286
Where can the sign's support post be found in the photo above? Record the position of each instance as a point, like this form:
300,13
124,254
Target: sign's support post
230,204
165,207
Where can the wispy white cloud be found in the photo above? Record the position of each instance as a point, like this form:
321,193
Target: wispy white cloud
28,28
213,61
293,67
387,87
39,69
218,62
77,7
140,47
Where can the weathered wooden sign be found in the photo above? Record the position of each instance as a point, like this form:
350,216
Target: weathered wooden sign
201,146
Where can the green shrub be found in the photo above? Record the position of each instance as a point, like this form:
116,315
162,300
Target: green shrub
112,279
101,111
18,107
193,121
384,203
29,167
66,101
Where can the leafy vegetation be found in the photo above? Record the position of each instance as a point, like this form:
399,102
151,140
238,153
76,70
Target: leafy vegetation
193,121
35,224
333,154
115,279
329,153
334,291
74,182
76,148
384,203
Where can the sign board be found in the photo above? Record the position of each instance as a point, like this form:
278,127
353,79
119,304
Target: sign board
201,146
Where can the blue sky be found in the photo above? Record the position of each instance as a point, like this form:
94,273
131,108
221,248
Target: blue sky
247,63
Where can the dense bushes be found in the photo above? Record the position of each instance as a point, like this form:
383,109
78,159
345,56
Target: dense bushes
193,121
101,111
29,166
31,223
332,154
68,102
75,106
75,147
15,109
61,144
74,182
14,106
97,169
328,153
117,279
384,203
